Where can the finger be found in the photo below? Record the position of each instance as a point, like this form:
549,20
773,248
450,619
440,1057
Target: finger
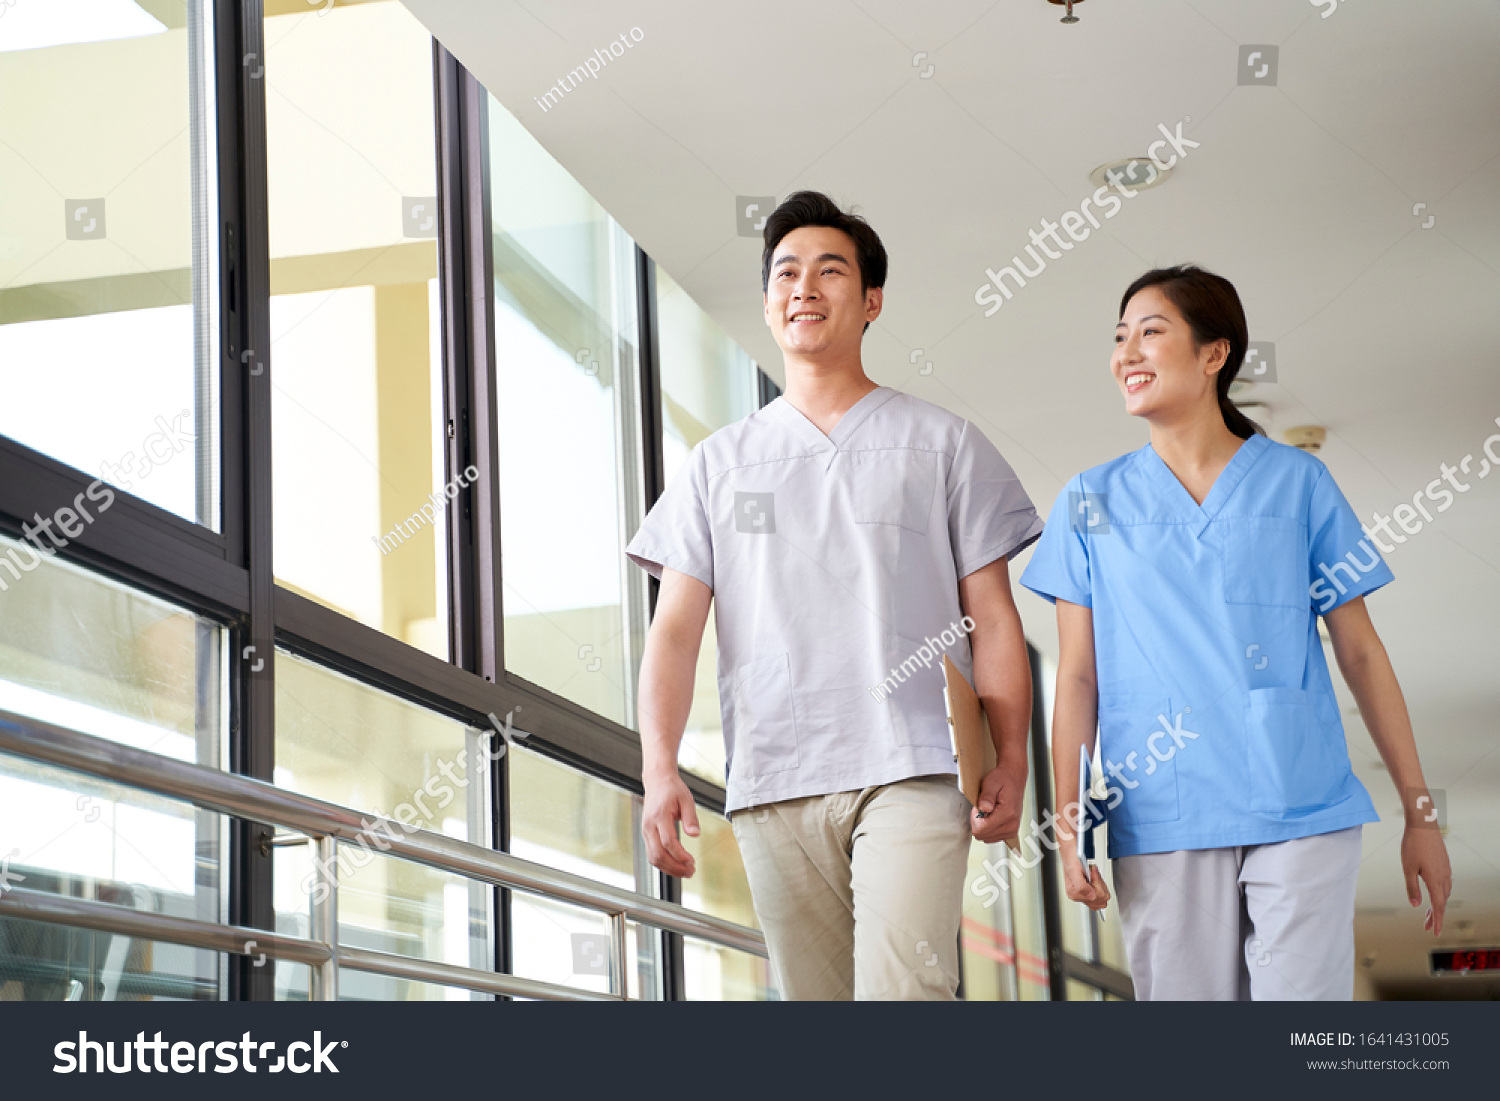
689,811
1439,906
989,792
1413,891
1100,886
679,859
1079,888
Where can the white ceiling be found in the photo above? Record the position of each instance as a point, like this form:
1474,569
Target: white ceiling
1302,194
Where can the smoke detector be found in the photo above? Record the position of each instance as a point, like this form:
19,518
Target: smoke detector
1307,437
1138,173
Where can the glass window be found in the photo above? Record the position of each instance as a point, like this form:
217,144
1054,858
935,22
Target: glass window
56,963
348,743
1077,924
1083,992
571,491
108,245
986,937
361,490
1033,982
719,887
708,382
578,823
88,654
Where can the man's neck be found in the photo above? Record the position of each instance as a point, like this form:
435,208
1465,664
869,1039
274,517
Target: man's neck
824,392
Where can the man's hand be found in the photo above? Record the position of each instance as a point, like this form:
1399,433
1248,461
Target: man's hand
1001,793
669,801
1424,854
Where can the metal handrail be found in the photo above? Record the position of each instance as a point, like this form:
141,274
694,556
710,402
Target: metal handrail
258,801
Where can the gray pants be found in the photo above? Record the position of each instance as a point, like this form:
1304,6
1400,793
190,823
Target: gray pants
1258,922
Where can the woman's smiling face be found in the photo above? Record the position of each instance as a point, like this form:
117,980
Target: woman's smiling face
1158,369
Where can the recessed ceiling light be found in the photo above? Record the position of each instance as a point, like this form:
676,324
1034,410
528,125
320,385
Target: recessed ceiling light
1136,173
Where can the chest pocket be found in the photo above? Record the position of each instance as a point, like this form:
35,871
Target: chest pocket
1265,561
892,487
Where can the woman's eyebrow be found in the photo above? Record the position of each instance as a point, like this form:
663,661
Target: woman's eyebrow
1148,317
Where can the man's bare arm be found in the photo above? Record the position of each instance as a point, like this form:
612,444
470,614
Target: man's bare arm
1002,679
666,698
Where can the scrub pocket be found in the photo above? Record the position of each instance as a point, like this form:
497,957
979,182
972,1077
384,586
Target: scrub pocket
1265,561
1135,740
1295,763
892,487
765,728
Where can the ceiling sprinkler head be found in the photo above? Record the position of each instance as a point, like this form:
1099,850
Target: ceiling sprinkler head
1070,17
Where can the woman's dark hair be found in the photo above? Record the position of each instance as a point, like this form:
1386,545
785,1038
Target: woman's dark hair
813,208
1211,307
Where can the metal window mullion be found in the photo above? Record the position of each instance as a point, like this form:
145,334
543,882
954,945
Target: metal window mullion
245,289
465,268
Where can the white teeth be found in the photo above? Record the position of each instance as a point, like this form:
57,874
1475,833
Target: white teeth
808,317
1131,380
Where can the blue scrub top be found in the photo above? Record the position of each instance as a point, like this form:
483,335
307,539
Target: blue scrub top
1218,724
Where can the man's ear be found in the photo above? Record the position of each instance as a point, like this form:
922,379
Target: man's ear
874,303
765,305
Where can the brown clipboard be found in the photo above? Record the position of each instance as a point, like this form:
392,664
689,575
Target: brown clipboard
973,748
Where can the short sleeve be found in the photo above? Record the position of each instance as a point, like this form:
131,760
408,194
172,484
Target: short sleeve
1059,567
1343,562
989,514
676,534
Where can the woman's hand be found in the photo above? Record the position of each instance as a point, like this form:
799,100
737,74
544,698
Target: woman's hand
1423,855
1091,892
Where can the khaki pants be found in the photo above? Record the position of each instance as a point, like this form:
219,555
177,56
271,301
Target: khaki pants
860,893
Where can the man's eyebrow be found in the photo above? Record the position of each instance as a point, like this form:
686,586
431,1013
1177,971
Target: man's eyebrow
793,258
1151,317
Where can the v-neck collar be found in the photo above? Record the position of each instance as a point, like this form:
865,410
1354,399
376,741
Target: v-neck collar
853,417
1224,485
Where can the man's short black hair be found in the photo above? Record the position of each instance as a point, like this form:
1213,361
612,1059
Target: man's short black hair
813,208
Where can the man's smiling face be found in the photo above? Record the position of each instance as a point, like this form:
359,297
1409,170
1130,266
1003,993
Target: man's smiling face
814,301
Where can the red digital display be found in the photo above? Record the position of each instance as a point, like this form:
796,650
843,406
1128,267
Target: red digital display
1466,959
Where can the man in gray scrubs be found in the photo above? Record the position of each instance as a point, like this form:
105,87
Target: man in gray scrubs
851,535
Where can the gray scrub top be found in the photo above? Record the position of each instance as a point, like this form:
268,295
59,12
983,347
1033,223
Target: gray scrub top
834,561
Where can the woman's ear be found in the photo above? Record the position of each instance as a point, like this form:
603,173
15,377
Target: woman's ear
1217,355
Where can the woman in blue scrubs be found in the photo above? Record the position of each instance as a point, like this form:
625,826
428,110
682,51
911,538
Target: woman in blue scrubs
1189,577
